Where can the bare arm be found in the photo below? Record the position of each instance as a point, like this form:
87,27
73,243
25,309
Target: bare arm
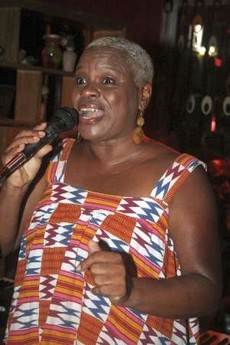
193,225
18,187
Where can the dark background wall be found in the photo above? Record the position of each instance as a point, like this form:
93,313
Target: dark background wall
142,18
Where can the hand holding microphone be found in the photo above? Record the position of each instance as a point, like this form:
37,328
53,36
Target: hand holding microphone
27,145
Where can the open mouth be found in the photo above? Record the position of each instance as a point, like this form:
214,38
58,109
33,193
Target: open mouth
89,113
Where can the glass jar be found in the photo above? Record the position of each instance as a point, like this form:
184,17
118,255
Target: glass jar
69,59
52,53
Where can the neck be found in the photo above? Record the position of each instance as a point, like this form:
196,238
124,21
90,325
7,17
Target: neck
112,153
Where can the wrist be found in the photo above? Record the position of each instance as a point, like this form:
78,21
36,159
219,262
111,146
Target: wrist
124,300
12,190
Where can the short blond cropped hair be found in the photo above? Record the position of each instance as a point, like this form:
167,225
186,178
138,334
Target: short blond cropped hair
141,62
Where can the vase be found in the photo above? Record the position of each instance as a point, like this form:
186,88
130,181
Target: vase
69,59
52,53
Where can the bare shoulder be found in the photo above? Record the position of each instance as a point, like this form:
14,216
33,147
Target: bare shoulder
197,180
160,155
162,158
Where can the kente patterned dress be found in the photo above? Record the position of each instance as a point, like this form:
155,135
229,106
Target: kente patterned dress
53,303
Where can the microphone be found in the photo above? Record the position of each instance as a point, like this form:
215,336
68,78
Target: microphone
64,119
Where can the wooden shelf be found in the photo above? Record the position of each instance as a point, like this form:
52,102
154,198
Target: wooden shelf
14,123
36,91
49,7
35,68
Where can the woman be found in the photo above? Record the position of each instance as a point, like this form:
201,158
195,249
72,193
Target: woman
119,242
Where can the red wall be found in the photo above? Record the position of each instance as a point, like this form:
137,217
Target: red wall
142,18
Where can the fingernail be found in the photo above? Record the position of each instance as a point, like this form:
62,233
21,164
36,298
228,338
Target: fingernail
78,268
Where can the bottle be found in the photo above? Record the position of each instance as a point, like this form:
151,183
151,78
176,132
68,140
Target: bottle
52,53
69,59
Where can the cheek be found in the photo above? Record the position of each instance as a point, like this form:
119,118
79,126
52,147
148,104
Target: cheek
72,95
120,100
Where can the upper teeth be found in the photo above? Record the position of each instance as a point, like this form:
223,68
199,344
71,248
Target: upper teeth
88,109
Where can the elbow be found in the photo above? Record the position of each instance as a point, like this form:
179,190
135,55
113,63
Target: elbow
217,297
205,297
213,300
217,288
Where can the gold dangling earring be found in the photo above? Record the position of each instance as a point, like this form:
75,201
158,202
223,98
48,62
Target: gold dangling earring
138,132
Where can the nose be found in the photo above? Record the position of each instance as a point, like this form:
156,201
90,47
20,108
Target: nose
90,90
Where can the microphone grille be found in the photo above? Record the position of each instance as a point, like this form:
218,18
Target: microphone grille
68,117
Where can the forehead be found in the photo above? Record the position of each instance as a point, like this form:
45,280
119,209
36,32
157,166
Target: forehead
107,57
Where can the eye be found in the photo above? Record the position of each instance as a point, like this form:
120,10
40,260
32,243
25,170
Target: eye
108,81
80,81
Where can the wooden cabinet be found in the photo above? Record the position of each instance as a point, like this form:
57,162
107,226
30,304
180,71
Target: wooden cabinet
30,92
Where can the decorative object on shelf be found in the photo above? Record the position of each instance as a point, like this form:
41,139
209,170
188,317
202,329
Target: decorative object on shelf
25,59
69,59
52,53
67,40
21,55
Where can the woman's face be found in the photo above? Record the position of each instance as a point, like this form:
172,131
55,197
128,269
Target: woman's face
105,95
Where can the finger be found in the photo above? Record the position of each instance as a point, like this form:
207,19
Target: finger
102,258
26,137
39,130
99,253
111,269
41,126
17,147
116,292
93,247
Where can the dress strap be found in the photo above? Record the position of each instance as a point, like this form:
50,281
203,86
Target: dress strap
56,168
175,176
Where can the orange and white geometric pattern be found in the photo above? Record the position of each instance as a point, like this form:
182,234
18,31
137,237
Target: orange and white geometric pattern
53,303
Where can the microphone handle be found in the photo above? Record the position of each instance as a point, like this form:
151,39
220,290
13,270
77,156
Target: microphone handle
28,152
31,149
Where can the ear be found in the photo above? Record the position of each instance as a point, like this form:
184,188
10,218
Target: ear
145,96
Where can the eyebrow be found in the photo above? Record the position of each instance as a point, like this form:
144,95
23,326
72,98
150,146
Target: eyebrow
116,67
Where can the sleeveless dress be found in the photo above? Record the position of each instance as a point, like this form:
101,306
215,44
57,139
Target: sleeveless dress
53,303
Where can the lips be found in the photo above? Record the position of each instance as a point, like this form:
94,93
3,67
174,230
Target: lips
89,113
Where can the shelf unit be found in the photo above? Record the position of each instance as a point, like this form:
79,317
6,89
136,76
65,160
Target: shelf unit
22,101
30,93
